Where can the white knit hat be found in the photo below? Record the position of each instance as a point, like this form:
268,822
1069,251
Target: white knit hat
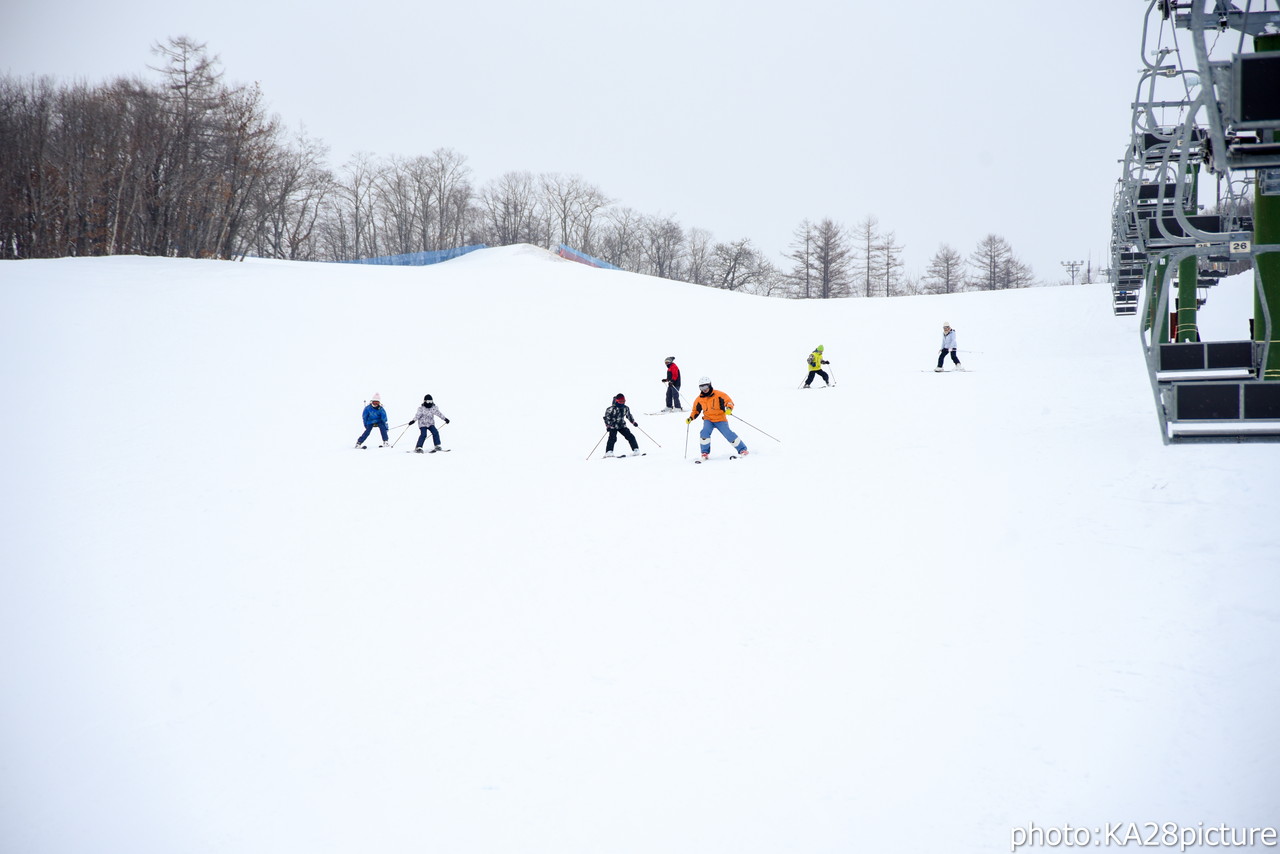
377,397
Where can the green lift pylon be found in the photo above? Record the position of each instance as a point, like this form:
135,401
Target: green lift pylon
1188,269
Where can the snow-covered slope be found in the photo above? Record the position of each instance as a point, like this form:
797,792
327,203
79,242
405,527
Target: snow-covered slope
941,607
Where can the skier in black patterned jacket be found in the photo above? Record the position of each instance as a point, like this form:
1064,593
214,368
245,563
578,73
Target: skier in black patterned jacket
615,421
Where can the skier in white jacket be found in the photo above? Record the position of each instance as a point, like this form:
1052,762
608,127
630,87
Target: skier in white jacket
426,418
948,346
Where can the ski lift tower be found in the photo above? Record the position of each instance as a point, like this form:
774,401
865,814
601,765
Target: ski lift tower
1224,117
1073,267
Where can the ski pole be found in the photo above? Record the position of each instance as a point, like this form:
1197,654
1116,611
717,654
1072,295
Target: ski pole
757,429
402,432
686,438
650,438
597,444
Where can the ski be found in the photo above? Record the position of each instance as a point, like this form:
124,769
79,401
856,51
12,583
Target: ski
731,456
624,456
413,451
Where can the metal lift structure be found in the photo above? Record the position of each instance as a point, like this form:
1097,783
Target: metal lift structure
1205,104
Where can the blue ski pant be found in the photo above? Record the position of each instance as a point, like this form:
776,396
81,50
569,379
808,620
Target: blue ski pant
723,427
382,428
422,435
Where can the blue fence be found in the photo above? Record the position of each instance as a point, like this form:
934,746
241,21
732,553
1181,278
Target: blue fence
418,259
584,258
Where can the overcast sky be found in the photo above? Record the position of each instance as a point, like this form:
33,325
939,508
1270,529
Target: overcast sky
947,121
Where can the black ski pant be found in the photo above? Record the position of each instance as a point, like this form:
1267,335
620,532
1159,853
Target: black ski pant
944,353
613,437
826,379
673,396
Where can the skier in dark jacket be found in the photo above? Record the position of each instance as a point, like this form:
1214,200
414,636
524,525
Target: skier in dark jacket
615,421
374,416
673,385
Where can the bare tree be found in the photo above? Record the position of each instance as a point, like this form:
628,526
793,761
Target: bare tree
891,264
572,206
945,273
831,260
29,112
357,200
803,276
246,146
737,266
987,262
449,183
621,239
291,201
191,82
511,212
994,266
866,237
909,285
663,247
698,270
1017,274
768,280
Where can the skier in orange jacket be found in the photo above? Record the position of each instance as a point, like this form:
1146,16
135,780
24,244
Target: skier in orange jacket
715,407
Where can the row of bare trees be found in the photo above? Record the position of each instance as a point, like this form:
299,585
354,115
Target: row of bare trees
167,169
830,261
192,167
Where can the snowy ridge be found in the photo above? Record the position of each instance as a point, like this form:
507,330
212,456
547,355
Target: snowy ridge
934,612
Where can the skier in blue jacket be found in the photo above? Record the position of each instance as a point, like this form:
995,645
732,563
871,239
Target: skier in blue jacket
374,416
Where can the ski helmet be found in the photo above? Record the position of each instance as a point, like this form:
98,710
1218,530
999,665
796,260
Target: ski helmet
619,398
427,399
704,380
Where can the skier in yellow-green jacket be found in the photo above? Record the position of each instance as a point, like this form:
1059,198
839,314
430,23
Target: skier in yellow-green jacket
815,363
